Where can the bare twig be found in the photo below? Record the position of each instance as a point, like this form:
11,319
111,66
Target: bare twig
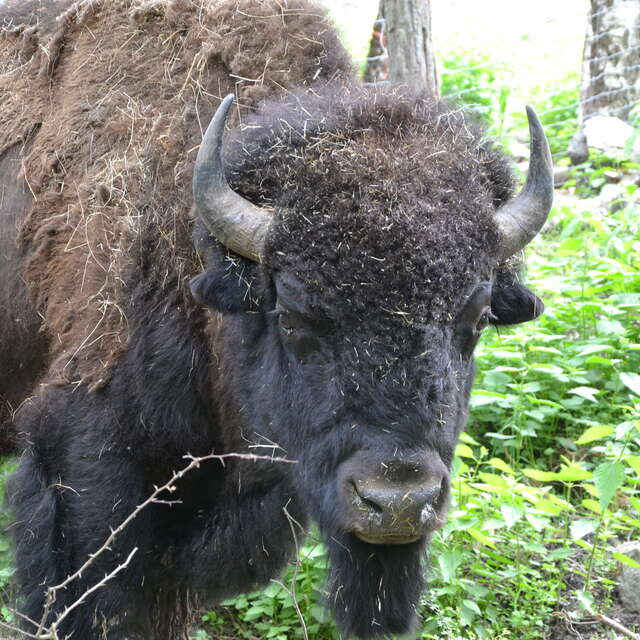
292,591
9,627
54,627
49,632
614,624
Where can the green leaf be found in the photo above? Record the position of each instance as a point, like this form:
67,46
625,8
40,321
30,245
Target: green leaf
510,514
448,563
507,355
481,398
467,613
464,451
634,463
255,612
585,392
624,427
573,473
494,480
632,381
465,437
594,348
539,524
501,464
592,505
630,562
470,604
480,537
608,476
595,433
582,527
585,599
539,476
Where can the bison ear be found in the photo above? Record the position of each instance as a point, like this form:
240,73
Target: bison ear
224,292
514,304
229,283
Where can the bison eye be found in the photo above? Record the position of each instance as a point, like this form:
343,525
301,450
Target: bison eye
286,325
485,319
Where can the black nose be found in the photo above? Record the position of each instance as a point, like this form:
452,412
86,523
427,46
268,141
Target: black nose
393,501
409,504
394,513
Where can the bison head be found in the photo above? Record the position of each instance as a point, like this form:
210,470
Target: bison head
370,248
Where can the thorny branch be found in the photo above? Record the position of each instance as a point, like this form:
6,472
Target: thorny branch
44,632
292,590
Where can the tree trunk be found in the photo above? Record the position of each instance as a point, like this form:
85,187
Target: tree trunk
611,63
403,29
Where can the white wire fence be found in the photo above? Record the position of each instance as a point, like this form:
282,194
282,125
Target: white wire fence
607,84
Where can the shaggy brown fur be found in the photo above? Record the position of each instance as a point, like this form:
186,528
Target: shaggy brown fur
118,95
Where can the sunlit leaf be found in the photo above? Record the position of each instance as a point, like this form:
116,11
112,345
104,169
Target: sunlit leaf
502,465
481,537
594,348
634,463
624,427
585,392
608,476
510,514
539,476
494,480
573,473
592,505
539,524
548,507
582,527
585,599
481,398
595,433
631,381
465,437
464,451
630,562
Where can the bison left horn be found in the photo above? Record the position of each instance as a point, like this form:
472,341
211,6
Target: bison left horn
520,219
237,223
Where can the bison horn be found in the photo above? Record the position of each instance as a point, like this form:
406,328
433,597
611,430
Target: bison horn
235,222
520,219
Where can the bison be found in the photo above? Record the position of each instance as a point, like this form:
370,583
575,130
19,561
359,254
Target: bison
311,284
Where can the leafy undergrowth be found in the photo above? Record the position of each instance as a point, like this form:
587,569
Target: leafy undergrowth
547,477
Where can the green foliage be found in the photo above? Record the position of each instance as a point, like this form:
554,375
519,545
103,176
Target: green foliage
471,79
558,111
271,613
590,177
6,555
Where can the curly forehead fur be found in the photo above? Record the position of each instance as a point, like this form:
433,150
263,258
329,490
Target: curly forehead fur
383,201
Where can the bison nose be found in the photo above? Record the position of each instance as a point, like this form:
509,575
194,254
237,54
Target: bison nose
394,499
395,513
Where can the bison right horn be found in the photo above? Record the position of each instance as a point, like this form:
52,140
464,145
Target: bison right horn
520,219
237,223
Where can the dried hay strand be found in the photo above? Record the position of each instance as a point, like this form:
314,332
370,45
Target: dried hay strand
110,100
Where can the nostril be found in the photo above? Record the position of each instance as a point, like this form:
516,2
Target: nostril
366,502
431,496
